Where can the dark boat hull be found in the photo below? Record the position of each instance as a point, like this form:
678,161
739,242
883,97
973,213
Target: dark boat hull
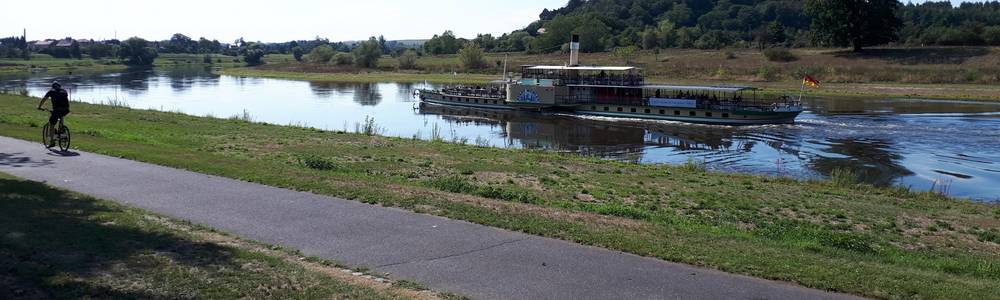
679,114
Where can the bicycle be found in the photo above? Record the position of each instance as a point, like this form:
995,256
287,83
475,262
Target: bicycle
61,138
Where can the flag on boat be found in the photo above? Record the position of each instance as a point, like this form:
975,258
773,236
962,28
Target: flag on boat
810,82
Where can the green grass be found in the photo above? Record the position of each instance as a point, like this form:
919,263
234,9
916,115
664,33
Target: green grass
836,236
62,245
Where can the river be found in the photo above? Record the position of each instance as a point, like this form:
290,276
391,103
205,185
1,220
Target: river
950,146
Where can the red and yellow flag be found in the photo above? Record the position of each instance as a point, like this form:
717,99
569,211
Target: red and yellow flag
810,82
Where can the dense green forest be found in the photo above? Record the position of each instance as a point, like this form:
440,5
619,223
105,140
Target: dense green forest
713,24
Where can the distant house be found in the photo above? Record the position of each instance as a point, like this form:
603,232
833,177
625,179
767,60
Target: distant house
64,43
41,45
85,42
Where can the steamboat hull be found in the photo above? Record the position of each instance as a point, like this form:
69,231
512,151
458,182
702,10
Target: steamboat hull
679,114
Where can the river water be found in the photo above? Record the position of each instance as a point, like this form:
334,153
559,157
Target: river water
950,146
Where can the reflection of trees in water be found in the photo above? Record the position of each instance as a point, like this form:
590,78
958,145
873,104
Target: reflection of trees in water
367,94
183,78
406,92
135,80
326,89
871,159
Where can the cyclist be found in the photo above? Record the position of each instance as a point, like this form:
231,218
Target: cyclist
60,107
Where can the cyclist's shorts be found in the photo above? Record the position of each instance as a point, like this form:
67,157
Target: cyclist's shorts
56,115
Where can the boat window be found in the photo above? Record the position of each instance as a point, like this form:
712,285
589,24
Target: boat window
692,113
477,100
593,108
708,114
633,109
619,109
662,112
605,108
647,110
677,112
725,115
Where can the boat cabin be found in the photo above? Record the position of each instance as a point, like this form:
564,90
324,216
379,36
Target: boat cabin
553,86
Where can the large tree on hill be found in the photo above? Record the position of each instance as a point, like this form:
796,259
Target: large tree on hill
855,23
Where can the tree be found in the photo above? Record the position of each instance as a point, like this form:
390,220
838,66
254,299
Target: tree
776,34
446,43
367,53
625,53
382,44
208,46
408,60
343,59
297,53
74,50
180,43
855,23
649,40
137,52
321,54
472,57
591,29
100,50
253,54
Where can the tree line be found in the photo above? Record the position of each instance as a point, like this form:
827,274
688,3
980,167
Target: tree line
712,24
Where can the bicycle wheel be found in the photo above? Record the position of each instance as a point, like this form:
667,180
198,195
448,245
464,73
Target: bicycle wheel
64,139
46,137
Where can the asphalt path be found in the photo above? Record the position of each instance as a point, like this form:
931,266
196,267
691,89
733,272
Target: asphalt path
472,260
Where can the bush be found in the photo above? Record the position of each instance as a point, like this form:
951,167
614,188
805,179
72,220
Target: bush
343,59
780,55
367,53
472,57
297,53
321,54
207,59
253,54
991,35
318,163
137,52
408,60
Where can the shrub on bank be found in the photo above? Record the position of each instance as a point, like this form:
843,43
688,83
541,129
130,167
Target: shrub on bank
779,55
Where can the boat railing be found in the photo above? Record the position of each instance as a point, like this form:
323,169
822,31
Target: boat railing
475,92
606,80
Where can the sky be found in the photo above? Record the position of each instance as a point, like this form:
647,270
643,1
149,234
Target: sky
268,21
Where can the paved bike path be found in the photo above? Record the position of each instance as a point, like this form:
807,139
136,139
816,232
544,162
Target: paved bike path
473,260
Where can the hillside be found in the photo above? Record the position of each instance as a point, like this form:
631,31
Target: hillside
714,24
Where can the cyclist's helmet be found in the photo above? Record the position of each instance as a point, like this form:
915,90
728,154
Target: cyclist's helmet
56,85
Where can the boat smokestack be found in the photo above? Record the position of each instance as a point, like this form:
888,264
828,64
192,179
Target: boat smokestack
574,50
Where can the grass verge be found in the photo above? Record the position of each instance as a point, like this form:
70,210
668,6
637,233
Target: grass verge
841,236
61,245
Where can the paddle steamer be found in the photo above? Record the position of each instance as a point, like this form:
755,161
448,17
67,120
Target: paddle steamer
619,92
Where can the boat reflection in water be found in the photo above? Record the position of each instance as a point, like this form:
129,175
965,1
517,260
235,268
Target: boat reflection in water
791,152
